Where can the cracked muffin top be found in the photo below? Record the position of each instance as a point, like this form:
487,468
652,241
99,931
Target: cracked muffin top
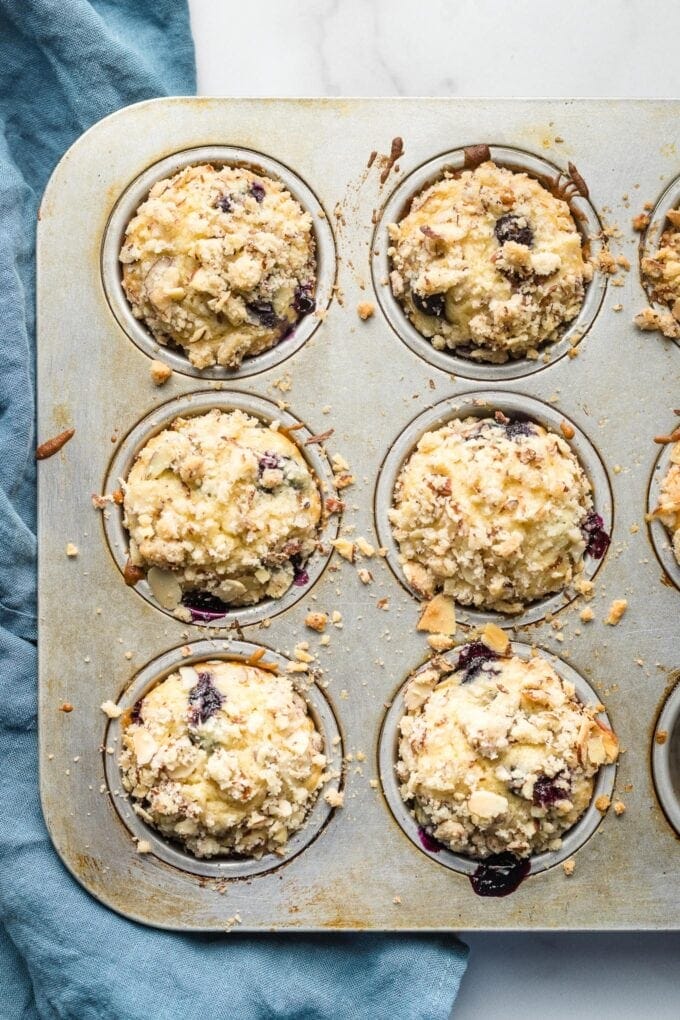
220,262
488,262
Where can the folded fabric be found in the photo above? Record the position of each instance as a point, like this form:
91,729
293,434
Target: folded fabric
64,65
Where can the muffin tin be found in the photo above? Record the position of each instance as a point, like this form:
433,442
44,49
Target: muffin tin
378,386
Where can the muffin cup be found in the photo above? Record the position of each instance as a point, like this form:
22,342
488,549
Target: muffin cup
388,755
651,238
659,534
482,404
173,853
190,405
666,758
397,205
138,191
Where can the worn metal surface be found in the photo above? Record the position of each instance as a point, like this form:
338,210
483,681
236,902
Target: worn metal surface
618,392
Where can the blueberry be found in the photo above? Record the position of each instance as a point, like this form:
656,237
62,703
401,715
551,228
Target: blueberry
203,605
429,304
499,874
471,659
304,302
136,713
269,462
224,203
548,791
257,191
204,699
597,539
515,429
514,228
263,311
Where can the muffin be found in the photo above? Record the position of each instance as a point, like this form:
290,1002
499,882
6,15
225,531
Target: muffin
223,758
497,754
661,273
221,509
488,262
493,512
668,510
220,262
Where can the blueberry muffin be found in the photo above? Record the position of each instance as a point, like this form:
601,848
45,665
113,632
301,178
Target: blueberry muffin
498,755
668,510
489,263
223,758
495,513
221,509
661,272
220,262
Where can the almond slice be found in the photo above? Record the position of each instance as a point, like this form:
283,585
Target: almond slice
438,616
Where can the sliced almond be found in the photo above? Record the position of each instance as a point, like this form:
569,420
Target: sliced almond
419,689
486,804
438,616
495,638
345,548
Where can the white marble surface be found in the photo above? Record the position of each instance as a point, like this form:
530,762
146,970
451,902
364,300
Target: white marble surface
475,48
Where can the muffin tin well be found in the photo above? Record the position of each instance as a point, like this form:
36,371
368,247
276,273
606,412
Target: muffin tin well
138,191
483,404
660,535
651,237
173,854
397,205
350,371
573,840
199,403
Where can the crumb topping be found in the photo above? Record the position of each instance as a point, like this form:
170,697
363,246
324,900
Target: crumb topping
499,754
224,504
220,262
490,262
223,757
491,513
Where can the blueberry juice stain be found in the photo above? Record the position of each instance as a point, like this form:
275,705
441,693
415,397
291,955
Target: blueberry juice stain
499,875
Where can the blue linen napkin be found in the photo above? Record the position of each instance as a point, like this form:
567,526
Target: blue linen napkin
63,65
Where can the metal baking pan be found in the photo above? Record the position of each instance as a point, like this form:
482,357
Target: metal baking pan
378,385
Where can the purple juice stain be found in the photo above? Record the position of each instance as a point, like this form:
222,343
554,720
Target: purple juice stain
472,657
257,191
300,575
204,699
547,791
203,606
597,539
499,875
429,842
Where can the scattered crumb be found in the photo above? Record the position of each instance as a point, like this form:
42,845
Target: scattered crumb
383,604
365,576
71,550
111,709
373,783
334,798
587,614
336,617
569,866
495,638
365,548
345,548
144,847
66,706
397,900
661,736
159,372
585,587
641,222
316,621
567,430
616,611
619,807
602,803
365,309
325,640
284,383
438,616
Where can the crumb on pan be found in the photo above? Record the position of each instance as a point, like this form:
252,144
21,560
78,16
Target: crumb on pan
616,611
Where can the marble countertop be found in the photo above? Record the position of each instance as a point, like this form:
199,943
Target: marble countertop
475,48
